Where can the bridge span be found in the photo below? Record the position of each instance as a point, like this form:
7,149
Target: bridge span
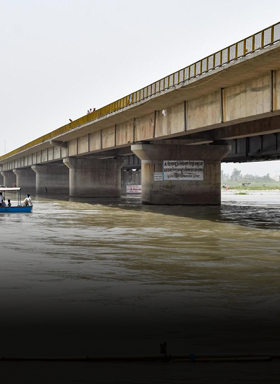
225,107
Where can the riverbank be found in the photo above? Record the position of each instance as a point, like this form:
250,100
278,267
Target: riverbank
234,197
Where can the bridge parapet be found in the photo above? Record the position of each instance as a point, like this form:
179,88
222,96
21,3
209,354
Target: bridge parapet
245,47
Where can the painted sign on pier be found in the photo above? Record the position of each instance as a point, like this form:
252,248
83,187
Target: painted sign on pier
183,170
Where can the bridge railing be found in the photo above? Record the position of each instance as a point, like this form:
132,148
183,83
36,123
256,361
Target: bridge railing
253,43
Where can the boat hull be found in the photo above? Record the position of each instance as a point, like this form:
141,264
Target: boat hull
18,209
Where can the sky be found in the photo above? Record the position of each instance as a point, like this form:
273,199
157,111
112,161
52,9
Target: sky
61,57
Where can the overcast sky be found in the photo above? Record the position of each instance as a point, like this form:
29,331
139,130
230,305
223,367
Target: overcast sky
61,57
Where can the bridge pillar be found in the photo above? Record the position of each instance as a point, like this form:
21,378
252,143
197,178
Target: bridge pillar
131,175
181,174
94,177
26,179
1,179
9,178
51,179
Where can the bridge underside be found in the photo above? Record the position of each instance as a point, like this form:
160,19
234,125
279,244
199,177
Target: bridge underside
257,140
234,108
114,171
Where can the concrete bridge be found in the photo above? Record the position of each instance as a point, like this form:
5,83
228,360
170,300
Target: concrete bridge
225,107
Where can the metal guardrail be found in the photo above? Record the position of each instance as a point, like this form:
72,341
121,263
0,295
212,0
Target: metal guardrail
251,44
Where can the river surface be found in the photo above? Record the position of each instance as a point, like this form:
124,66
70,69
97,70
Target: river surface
113,277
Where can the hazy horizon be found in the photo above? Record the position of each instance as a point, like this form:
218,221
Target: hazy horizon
258,168
60,58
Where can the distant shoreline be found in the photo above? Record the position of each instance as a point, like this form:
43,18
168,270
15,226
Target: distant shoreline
251,188
246,191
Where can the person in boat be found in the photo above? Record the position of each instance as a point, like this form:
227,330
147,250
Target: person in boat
3,203
9,203
27,201
1,199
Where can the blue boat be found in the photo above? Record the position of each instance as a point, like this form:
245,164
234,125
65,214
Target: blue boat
14,208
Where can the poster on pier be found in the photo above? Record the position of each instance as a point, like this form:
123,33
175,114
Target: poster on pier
183,170
133,188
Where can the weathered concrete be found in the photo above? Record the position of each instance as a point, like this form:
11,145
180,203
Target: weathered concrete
124,133
26,179
251,98
51,179
204,111
90,177
189,192
9,178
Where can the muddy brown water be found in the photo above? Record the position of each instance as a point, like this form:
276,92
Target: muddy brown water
113,277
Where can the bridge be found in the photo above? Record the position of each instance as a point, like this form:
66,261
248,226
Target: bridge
225,107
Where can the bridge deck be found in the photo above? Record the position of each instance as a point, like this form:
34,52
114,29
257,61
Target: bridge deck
223,67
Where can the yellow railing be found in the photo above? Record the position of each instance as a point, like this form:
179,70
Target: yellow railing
242,48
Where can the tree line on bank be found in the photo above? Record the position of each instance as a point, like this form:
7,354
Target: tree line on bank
237,176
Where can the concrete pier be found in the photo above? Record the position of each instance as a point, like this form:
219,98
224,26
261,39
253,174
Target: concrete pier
181,174
51,179
26,179
9,178
130,177
1,179
94,177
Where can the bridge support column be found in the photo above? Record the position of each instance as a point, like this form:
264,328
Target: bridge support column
181,174
26,179
9,178
51,179
1,179
94,177
130,177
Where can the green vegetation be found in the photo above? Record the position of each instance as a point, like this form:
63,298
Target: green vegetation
256,187
249,182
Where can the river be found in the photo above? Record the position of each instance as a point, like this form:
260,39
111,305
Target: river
114,277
